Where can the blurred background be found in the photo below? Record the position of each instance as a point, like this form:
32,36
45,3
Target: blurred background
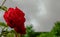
42,14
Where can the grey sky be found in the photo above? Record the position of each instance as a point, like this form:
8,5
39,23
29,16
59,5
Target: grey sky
41,13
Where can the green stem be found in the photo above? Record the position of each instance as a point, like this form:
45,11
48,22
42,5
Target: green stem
3,2
4,36
16,35
21,35
3,7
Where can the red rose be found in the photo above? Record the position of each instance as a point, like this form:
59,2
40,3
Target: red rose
20,29
15,19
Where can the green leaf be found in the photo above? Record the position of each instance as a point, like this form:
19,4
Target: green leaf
10,35
3,24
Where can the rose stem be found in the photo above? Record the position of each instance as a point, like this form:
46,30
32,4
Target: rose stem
3,2
21,35
3,7
16,34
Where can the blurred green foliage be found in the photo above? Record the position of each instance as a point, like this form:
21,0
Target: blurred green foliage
55,32
5,32
30,32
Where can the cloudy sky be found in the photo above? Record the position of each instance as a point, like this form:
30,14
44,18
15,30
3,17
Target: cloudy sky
41,13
